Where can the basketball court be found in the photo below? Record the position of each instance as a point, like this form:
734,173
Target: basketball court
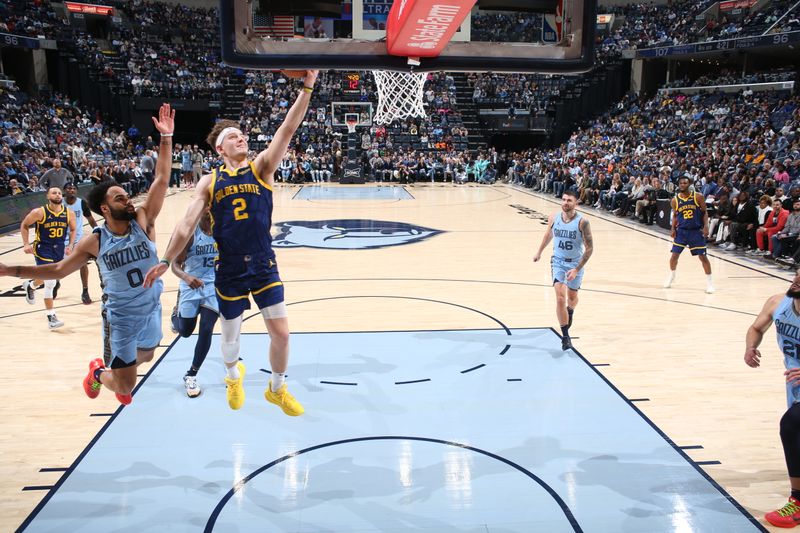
437,396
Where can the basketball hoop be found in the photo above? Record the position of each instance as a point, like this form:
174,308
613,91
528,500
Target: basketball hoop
399,95
351,125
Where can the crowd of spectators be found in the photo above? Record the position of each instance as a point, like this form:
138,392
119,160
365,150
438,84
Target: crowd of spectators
34,18
737,149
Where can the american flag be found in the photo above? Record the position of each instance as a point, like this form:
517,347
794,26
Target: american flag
273,25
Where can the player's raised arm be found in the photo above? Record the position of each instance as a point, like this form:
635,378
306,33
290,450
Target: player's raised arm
165,124
268,160
183,231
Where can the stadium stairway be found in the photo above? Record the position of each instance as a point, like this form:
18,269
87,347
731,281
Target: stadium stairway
469,113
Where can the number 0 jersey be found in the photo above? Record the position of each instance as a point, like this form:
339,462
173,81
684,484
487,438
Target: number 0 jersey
241,212
567,238
123,261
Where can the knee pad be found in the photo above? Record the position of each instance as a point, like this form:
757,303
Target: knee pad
230,351
275,311
49,285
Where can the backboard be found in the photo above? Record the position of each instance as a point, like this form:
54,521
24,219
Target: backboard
547,36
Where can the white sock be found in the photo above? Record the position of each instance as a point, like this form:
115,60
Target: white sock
278,380
709,280
51,312
232,371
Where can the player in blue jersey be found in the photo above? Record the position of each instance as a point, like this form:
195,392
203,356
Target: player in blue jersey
124,248
573,245
239,195
80,208
52,222
689,230
194,266
784,310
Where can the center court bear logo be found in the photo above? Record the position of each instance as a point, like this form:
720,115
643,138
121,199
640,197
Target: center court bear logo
351,234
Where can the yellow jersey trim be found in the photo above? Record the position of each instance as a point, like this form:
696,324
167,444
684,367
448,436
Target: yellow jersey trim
258,178
262,289
258,291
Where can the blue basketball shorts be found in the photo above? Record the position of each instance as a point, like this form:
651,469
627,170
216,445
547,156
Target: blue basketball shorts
560,267
47,254
123,335
691,239
237,277
191,300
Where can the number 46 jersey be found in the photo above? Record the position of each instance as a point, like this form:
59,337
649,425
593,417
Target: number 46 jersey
123,261
567,238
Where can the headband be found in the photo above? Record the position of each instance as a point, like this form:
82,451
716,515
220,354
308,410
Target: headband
223,133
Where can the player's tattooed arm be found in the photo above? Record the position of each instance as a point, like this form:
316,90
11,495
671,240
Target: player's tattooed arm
588,244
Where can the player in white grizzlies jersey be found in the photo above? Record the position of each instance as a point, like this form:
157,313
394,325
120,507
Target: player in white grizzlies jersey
125,249
572,247
82,213
784,310
196,297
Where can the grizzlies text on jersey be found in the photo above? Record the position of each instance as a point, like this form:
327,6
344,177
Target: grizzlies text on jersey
567,250
787,327
131,313
200,259
50,232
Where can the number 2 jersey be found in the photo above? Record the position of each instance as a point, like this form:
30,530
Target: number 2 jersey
123,261
787,326
241,213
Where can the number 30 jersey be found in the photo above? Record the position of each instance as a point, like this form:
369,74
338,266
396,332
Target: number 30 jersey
241,212
567,238
123,261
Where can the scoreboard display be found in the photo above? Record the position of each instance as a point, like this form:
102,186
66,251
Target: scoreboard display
352,84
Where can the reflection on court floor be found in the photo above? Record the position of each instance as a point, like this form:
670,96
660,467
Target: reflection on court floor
352,192
468,431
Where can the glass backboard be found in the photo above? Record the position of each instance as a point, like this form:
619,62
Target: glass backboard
547,36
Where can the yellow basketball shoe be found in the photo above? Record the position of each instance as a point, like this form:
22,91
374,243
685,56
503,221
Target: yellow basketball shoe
235,389
284,399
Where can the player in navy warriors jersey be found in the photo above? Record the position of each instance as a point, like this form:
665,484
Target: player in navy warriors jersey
53,222
125,249
573,245
784,310
239,195
194,266
80,209
689,230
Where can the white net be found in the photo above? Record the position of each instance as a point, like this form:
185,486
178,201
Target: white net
399,95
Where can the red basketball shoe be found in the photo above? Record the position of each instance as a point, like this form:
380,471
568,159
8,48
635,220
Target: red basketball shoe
786,516
90,385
